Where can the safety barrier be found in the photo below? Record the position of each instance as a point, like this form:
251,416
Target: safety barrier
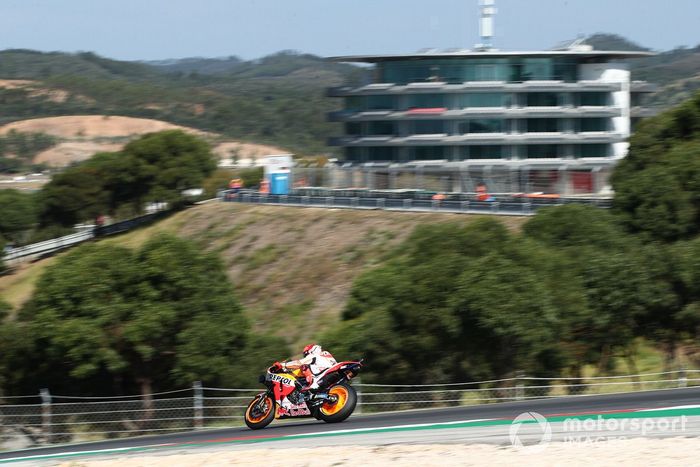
46,418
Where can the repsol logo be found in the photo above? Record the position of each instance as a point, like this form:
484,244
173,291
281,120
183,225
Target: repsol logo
280,379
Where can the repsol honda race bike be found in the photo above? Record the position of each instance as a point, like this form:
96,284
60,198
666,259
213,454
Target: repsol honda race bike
332,402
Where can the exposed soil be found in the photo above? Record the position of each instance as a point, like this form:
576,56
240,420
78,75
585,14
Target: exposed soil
84,135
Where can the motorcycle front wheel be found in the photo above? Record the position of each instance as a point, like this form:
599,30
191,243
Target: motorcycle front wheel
342,408
260,412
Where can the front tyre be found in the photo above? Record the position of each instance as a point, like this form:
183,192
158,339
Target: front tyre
343,407
260,412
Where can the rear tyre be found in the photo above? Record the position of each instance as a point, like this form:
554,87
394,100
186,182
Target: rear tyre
342,408
260,412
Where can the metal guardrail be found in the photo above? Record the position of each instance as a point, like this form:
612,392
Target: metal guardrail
35,250
45,418
47,247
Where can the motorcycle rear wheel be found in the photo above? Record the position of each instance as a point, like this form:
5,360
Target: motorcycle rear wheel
257,419
343,407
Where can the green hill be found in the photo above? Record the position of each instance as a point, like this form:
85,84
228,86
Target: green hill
278,99
284,284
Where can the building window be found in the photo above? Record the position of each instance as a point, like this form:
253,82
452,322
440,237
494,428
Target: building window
593,150
542,125
593,99
483,99
353,154
543,151
428,127
593,124
353,129
429,153
426,101
542,99
480,126
484,152
380,128
379,102
354,103
381,154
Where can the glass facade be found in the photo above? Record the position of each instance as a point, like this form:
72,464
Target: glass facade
474,115
459,70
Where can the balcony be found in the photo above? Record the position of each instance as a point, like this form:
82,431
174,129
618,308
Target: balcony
443,87
481,112
479,139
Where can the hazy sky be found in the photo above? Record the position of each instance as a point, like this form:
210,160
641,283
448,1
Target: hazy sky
157,29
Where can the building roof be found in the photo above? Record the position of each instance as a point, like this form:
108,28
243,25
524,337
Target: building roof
492,53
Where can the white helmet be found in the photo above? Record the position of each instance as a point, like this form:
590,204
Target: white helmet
312,349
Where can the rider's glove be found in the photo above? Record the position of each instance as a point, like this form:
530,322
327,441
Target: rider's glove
277,366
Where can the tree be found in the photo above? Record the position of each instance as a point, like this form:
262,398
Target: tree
18,214
657,186
169,162
155,167
108,319
459,303
75,195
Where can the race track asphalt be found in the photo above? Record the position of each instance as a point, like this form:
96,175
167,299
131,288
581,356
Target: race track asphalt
560,406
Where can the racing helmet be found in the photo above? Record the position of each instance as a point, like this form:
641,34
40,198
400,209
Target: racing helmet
312,349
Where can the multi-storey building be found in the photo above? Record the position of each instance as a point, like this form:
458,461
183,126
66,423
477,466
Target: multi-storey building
553,121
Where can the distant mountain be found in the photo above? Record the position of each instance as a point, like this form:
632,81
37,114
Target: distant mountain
205,66
603,41
30,64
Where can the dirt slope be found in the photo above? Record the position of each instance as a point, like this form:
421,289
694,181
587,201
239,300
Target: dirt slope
84,135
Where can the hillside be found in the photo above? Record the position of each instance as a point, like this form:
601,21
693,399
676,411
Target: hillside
278,100
284,284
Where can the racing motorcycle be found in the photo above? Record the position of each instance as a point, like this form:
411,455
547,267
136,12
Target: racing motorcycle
332,402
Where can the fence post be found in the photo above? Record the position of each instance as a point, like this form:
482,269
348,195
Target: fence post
198,405
46,414
682,378
358,407
519,390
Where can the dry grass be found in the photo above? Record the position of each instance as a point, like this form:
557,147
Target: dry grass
285,263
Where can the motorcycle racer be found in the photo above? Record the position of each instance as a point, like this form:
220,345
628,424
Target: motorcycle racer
314,362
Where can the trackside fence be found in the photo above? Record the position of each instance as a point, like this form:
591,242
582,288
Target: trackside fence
45,418
505,207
